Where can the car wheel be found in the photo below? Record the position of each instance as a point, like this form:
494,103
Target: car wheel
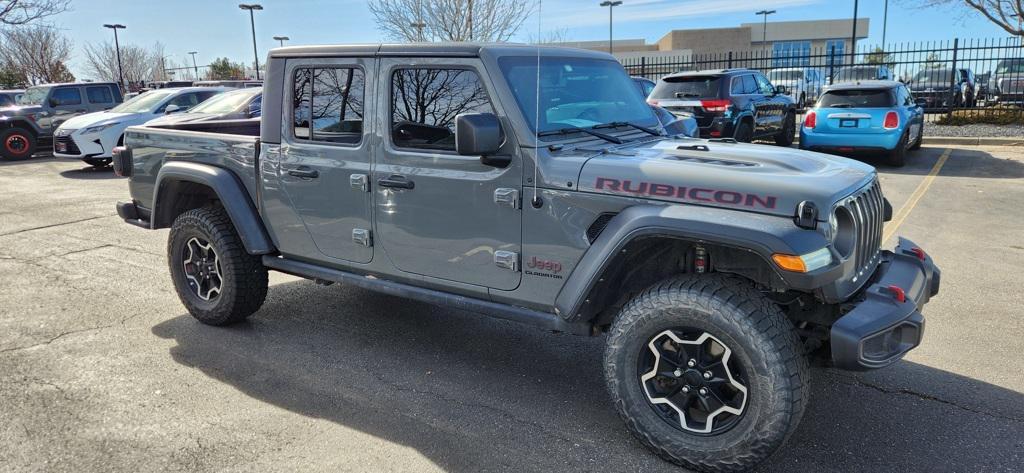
98,162
707,372
216,279
16,143
898,156
788,133
803,100
744,132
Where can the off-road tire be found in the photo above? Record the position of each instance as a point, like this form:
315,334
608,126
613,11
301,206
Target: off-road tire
920,138
803,100
98,162
898,156
788,133
244,278
16,143
756,331
744,132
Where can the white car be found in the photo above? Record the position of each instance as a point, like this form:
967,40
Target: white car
803,85
92,137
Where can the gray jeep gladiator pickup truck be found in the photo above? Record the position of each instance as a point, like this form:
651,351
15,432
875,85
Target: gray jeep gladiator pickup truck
536,185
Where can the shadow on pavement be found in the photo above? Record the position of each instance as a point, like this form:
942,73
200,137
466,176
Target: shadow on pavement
91,173
35,159
472,393
963,162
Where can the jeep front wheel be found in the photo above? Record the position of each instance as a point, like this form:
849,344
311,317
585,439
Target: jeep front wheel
16,143
217,281
707,372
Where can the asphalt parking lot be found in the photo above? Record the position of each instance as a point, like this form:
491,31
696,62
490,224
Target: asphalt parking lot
101,368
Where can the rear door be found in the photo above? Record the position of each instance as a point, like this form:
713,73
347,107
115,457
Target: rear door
324,163
439,214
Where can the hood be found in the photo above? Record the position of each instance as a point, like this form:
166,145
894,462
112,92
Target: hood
19,110
102,118
183,118
757,178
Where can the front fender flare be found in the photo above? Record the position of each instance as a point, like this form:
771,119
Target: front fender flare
229,191
759,233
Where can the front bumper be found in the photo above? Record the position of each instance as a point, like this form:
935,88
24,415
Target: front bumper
881,328
78,146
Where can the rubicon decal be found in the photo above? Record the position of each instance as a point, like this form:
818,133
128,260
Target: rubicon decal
691,194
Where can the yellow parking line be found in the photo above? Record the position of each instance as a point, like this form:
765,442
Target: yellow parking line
891,227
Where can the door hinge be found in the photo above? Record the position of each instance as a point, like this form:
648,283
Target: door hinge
359,182
507,260
507,197
362,237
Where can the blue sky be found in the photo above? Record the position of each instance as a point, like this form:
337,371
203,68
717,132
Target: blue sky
217,28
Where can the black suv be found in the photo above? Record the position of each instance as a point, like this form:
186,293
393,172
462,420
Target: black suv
737,103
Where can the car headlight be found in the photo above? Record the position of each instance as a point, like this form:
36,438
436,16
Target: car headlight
804,263
98,128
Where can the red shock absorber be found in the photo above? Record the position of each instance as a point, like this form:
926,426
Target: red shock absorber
700,259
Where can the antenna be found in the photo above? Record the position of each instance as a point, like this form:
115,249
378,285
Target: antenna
537,203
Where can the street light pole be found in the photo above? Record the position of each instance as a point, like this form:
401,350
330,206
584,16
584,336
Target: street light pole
885,22
117,46
193,53
256,55
282,39
764,29
853,37
611,5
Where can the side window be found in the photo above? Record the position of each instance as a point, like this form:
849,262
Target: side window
763,86
187,101
749,84
256,107
737,86
99,94
425,102
67,96
328,104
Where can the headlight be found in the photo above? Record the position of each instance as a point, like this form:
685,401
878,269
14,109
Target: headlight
804,263
98,128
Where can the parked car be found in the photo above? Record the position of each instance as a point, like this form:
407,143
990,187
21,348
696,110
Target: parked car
1006,86
237,84
646,85
865,117
803,83
29,125
10,97
862,72
544,197
232,105
93,136
982,81
943,87
737,103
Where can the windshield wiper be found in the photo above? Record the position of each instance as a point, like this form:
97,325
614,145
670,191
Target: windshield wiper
576,129
644,129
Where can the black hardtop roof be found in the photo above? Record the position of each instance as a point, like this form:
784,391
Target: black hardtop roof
431,49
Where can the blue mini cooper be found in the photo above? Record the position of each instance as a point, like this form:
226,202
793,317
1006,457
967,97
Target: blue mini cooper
865,117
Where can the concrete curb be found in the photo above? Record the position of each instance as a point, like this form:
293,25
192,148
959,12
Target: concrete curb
966,141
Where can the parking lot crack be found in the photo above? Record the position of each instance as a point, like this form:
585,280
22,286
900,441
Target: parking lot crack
926,397
55,338
41,227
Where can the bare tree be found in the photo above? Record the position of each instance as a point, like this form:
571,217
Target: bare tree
1006,14
450,20
20,12
38,52
555,36
139,64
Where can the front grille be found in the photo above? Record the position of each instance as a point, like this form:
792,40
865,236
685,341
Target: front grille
72,147
867,208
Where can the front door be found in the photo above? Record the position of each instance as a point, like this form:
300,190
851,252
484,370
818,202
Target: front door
66,103
324,162
769,106
439,214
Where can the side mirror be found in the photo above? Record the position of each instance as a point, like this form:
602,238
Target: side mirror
920,102
171,109
781,90
479,134
255,110
53,102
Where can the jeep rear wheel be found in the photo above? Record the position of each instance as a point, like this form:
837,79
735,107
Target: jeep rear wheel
217,281
707,372
16,143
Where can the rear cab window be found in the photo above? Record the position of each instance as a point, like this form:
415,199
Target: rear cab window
64,96
99,94
857,98
327,104
688,87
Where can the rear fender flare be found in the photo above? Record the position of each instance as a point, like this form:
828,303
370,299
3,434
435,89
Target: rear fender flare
229,191
760,234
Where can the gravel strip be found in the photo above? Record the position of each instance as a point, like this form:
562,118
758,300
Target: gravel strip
976,130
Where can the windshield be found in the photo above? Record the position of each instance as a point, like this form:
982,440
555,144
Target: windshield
857,73
687,87
785,74
227,102
942,76
575,92
145,102
34,96
864,98
1010,66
